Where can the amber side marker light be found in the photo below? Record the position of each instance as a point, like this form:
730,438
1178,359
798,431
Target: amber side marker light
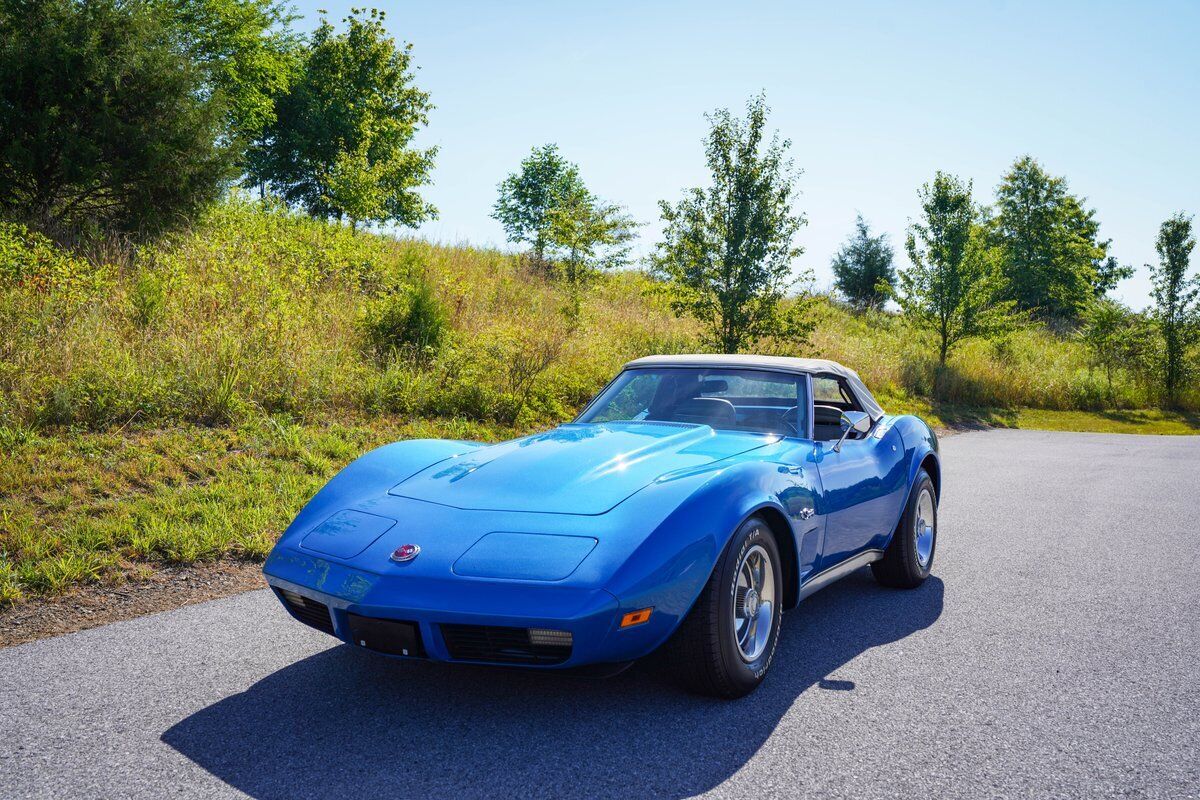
636,617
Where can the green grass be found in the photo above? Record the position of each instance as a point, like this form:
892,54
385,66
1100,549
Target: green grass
100,507
1146,421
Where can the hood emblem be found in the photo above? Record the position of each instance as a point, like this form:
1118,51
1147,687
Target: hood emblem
406,552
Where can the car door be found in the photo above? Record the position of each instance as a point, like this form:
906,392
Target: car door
862,488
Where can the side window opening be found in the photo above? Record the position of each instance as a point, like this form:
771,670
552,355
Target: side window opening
831,396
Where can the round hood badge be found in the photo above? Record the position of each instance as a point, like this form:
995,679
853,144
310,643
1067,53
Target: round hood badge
406,552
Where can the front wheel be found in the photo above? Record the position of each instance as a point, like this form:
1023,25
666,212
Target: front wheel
725,645
909,556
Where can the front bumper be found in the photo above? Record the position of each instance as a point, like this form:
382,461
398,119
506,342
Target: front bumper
591,615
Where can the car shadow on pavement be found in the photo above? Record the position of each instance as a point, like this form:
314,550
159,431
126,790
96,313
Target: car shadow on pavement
345,723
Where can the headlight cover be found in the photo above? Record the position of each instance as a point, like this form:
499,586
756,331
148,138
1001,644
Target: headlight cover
346,534
524,556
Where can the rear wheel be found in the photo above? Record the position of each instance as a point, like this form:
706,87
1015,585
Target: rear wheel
725,645
909,556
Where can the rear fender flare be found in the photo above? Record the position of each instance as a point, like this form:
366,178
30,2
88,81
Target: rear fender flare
921,442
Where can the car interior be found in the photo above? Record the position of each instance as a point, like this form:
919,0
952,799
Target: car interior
709,401
831,396
740,400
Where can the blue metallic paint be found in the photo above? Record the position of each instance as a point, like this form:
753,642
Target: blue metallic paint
524,556
649,510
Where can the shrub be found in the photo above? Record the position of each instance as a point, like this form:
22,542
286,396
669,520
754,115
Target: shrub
31,263
412,322
147,297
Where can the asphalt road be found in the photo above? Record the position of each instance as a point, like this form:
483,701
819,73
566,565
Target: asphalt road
1053,653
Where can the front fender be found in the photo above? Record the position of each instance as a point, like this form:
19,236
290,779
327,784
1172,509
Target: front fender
672,564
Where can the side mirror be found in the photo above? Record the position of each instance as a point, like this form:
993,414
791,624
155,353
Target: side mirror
857,421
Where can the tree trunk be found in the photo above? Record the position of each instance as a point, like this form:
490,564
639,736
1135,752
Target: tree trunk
539,254
1171,378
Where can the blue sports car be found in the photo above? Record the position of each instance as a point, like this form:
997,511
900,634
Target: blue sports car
694,500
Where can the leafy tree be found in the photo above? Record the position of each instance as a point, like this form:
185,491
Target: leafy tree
952,286
527,196
247,52
105,117
1109,274
727,249
340,144
1053,261
1116,338
587,235
862,269
1176,301
355,186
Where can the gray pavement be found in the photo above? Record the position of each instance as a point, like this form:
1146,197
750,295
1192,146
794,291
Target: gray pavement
1053,653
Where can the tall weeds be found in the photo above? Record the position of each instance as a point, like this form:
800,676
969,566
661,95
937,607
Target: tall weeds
256,310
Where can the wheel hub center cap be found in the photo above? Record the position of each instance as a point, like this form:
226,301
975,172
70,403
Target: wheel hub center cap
751,603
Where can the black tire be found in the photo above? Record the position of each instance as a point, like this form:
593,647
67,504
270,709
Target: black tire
704,652
901,566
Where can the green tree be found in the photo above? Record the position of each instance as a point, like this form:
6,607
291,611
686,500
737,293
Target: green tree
1053,262
1176,301
727,249
952,285
247,51
355,186
1109,274
545,179
863,269
587,235
105,117
340,144
1116,339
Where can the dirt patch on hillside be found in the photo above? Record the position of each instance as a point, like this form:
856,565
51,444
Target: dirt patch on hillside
89,606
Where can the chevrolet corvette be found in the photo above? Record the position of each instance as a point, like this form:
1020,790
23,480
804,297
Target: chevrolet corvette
690,504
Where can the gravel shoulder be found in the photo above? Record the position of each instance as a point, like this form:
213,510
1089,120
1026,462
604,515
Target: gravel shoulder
160,590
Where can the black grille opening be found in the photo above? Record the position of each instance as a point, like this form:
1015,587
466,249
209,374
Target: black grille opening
307,610
501,645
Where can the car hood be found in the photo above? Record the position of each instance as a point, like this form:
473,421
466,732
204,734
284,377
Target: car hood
573,469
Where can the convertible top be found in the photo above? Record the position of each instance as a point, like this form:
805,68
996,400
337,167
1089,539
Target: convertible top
808,366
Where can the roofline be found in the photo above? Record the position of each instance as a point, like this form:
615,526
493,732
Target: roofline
786,364
789,370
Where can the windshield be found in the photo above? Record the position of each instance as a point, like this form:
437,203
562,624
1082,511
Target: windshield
725,399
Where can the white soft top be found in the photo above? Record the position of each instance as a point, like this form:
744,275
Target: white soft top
808,366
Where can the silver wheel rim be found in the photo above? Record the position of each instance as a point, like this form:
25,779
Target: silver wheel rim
753,603
924,529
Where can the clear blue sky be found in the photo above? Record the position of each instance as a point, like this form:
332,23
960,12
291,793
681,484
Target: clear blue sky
875,97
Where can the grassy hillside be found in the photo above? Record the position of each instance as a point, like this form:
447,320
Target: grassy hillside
179,401
263,312
255,312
